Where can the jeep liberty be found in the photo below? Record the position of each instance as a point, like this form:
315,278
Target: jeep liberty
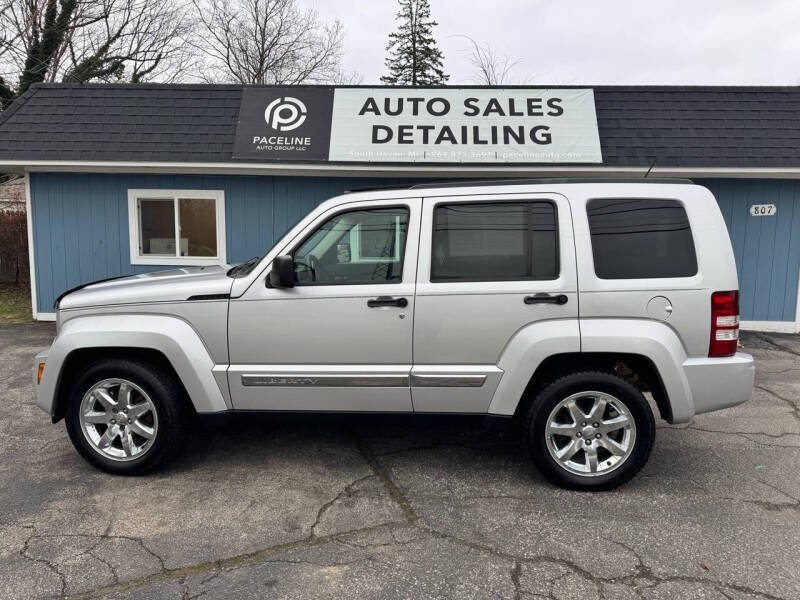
558,303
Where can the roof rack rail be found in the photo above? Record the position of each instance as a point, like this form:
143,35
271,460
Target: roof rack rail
380,188
517,181
548,181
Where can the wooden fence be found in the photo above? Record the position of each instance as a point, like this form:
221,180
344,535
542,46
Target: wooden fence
14,246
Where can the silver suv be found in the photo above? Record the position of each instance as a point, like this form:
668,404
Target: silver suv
556,303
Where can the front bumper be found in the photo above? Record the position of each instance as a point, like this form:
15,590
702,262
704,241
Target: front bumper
43,392
718,383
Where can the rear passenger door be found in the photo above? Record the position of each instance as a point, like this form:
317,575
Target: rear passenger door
489,265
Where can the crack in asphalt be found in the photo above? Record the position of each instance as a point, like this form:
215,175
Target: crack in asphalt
642,571
744,434
380,471
233,562
772,342
765,504
794,407
516,569
345,493
24,554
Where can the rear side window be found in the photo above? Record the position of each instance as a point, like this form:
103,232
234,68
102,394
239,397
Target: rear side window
494,241
640,239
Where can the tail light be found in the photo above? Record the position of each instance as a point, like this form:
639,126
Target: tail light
724,323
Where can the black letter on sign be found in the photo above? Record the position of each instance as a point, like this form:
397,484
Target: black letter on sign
541,135
446,134
425,129
443,111
556,110
387,131
535,107
470,108
493,106
387,106
369,106
404,133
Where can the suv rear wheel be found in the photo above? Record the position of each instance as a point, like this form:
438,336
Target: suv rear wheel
589,430
126,416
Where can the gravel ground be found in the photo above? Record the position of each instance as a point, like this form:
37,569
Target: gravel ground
402,507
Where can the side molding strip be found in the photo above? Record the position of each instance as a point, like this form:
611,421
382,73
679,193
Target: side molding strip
364,380
367,380
447,380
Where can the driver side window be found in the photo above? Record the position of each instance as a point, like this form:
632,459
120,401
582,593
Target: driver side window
356,247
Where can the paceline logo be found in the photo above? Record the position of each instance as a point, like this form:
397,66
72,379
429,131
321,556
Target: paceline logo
285,114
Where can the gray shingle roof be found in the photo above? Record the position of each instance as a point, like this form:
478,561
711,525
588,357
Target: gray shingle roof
677,126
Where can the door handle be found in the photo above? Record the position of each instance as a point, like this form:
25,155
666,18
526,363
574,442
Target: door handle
387,301
546,299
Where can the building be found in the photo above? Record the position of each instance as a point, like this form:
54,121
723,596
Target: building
116,175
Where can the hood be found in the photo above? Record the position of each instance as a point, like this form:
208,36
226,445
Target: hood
174,285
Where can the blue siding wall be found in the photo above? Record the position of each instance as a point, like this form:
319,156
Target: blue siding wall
80,221
767,249
80,224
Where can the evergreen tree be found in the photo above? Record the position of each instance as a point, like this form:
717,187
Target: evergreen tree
414,58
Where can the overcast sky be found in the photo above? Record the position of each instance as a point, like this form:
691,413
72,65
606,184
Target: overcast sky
595,41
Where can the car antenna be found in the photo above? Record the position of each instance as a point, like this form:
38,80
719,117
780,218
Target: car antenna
652,164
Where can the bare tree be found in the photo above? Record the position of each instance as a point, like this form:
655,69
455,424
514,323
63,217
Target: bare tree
489,67
268,41
91,40
133,40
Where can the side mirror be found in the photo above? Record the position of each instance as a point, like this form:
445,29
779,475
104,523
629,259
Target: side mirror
282,273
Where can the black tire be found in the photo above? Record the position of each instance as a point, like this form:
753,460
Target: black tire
535,424
166,395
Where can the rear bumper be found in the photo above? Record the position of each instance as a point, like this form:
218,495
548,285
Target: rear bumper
717,383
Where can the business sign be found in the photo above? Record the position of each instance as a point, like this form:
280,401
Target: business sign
419,125
284,124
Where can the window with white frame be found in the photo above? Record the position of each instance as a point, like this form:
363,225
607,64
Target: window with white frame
177,227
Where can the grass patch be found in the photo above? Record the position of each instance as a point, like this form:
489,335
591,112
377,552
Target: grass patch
15,304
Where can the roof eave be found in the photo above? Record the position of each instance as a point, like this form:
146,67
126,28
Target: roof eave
387,170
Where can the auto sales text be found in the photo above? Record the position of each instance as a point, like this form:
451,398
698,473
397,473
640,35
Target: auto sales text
463,134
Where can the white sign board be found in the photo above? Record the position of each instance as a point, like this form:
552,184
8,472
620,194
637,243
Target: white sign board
448,125
763,210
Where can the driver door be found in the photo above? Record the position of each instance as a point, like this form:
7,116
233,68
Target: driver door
339,340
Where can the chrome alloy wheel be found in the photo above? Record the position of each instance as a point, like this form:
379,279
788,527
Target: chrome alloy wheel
590,433
118,419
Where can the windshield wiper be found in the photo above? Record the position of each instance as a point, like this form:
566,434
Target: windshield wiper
244,268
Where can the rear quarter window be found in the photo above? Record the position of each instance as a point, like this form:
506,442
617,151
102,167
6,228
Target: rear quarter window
640,238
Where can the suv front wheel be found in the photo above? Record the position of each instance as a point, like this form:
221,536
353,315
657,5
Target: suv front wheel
589,430
126,416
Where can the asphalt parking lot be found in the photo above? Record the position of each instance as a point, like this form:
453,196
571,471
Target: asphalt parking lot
402,508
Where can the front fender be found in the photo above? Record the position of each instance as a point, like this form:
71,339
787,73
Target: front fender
171,336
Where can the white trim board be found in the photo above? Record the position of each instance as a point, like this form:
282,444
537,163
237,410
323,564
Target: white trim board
31,250
770,326
323,169
44,316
